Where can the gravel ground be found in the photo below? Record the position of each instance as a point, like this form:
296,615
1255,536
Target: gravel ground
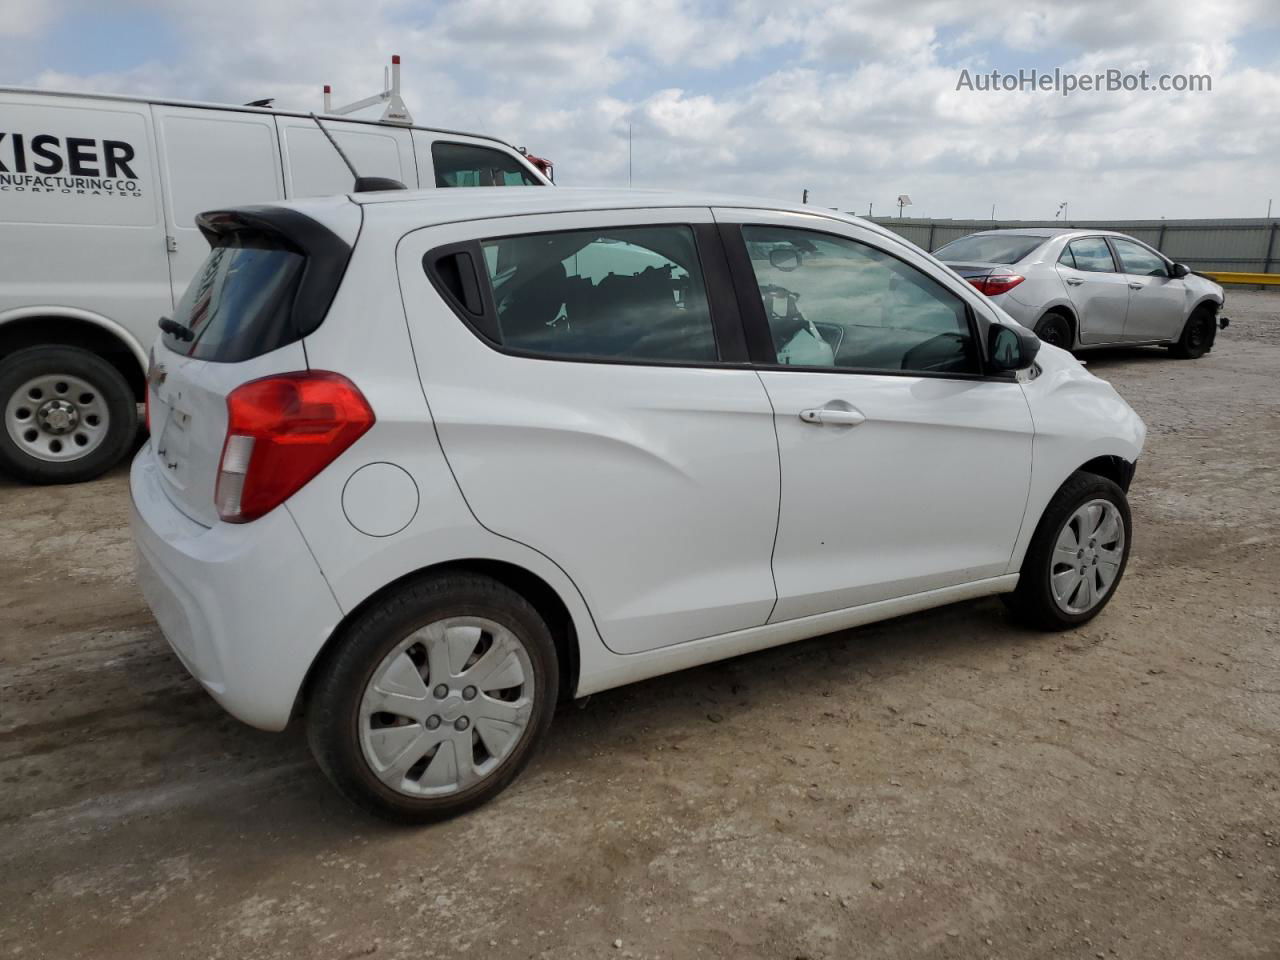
943,785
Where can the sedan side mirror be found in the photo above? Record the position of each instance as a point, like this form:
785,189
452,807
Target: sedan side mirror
1179,270
1010,349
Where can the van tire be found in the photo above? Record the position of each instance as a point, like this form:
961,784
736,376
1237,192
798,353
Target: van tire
335,715
109,396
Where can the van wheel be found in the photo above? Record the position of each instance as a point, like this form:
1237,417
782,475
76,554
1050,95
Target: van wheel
1197,336
1055,330
1077,555
68,415
434,698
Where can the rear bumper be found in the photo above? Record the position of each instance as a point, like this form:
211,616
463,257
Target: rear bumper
244,606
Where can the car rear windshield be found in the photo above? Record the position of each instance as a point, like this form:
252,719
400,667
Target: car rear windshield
988,248
239,305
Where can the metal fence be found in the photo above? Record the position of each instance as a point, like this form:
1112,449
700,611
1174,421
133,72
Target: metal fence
1238,245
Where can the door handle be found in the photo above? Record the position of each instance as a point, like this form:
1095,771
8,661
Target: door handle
832,415
1136,286
1074,281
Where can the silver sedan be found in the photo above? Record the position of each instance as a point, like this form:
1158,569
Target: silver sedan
1090,288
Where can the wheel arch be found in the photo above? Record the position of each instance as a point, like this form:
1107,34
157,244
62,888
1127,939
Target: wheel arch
1114,468
73,327
528,584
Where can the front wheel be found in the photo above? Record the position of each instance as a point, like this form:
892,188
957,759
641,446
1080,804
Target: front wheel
68,415
1077,555
435,698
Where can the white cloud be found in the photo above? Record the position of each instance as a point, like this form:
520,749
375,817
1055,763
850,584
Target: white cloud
855,101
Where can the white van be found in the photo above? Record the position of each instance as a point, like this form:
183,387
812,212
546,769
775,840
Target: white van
98,198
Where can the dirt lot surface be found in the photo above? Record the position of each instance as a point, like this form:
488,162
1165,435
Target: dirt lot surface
945,785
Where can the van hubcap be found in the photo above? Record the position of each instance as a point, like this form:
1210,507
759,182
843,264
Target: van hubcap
1087,556
446,707
56,417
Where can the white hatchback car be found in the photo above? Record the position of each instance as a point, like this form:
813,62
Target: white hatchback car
423,464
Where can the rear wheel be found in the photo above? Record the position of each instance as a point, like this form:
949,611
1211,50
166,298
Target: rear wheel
435,698
1197,336
68,415
1077,555
1055,330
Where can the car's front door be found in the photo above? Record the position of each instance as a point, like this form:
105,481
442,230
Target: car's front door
595,403
904,470
1099,292
1157,301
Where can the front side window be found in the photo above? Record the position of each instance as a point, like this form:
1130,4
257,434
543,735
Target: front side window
466,165
1138,261
834,302
625,293
1092,255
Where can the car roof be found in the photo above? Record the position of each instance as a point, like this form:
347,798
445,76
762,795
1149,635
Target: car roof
437,206
1047,232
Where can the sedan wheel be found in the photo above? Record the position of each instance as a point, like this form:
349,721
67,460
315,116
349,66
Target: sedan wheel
1054,330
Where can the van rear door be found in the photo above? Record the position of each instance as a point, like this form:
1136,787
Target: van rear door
267,281
314,169
211,159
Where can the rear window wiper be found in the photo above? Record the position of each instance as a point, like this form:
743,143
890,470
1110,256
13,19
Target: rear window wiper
176,329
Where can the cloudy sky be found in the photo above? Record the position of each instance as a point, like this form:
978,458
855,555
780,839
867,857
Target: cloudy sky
854,100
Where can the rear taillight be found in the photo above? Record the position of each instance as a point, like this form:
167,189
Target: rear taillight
997,284
281,432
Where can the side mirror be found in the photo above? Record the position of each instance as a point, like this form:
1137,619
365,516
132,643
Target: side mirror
1179,270
784,258
1010,349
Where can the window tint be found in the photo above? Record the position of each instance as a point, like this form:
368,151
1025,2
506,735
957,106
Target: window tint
988,248
628,293
1092,254
1138,260
1065,258
834,302
466,165
240,302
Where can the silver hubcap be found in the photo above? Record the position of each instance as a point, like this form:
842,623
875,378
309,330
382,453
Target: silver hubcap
1087,556
56,417
446,706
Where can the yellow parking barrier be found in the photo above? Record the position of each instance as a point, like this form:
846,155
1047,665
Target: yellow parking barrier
1267,279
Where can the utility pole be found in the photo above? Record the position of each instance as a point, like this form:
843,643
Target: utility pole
1268,209
993,213
868,211
628,155
804,198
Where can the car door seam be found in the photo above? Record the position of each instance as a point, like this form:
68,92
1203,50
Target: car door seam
777,523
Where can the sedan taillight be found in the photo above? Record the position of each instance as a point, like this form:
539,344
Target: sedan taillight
281,432
997,283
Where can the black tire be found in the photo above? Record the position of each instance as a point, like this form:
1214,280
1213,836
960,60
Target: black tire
1055,330
333,709
1197,336
19,368
1033,602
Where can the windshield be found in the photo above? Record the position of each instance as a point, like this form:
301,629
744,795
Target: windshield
988,248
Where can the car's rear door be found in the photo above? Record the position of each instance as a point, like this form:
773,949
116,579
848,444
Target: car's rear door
1098,291
1157,301
904,469
587,379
